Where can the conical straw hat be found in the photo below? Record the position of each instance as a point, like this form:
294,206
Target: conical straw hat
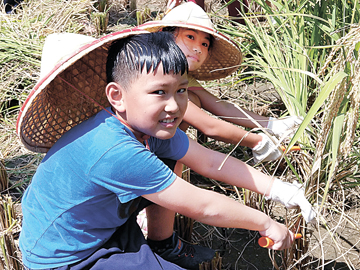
225,55
71,87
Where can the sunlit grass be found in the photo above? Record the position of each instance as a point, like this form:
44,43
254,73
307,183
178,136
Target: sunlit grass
309,53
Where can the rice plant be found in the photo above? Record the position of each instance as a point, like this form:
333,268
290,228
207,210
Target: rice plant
316,77
100,17
9,226
334,157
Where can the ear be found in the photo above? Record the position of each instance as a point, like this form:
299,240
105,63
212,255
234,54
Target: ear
115,95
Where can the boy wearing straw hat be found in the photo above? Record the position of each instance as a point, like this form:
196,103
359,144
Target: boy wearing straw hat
104,132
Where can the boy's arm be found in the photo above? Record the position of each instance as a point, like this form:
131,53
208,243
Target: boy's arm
215,209
234,172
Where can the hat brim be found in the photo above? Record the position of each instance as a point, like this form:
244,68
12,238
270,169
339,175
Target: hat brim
225,55
70,93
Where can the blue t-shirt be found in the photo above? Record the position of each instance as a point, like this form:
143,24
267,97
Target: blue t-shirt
82,191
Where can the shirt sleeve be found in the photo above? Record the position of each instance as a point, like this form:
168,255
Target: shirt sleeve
174,148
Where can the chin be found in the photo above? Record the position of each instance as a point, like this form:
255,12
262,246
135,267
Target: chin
165,135
192,68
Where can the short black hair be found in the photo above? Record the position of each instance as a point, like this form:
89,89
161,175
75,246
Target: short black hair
128,57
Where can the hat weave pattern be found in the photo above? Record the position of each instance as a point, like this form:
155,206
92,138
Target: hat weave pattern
73,96
71,89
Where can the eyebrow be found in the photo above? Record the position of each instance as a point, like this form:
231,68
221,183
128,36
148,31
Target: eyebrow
185,82
161,84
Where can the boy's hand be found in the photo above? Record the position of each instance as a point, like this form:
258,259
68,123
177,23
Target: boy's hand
284,126
291,195
282,237
266,150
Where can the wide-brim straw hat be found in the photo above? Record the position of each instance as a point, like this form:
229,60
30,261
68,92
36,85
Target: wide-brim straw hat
225,55
71,87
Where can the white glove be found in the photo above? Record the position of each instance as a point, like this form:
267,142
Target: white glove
291,195
266,150
286,125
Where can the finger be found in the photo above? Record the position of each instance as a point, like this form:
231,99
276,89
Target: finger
267,242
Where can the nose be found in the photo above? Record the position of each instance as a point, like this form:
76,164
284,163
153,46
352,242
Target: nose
197,48
172,106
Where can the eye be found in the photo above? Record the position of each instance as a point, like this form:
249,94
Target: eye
159,92
190,37
206,45
182,90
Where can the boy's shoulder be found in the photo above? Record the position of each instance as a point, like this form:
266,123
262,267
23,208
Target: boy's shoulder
101,131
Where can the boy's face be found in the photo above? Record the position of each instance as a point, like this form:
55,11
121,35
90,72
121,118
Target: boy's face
194,44
155,103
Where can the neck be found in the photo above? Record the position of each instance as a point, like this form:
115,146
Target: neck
141,137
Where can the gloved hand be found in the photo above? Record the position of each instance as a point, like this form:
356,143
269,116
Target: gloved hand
286,125
266,150
291,195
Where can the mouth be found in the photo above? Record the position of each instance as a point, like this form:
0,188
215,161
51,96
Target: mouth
193,57
167,121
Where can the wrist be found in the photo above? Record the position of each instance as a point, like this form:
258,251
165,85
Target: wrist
275,186
270,187
269,223
256,140
266,223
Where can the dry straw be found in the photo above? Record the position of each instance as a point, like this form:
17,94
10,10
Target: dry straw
4,179
21,38
9,227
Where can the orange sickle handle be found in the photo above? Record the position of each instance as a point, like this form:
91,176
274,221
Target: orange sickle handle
294,148
267,242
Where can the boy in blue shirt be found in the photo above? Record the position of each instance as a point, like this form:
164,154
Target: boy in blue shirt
102,166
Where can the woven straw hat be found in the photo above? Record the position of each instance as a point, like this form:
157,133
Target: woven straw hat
71,87
224,57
